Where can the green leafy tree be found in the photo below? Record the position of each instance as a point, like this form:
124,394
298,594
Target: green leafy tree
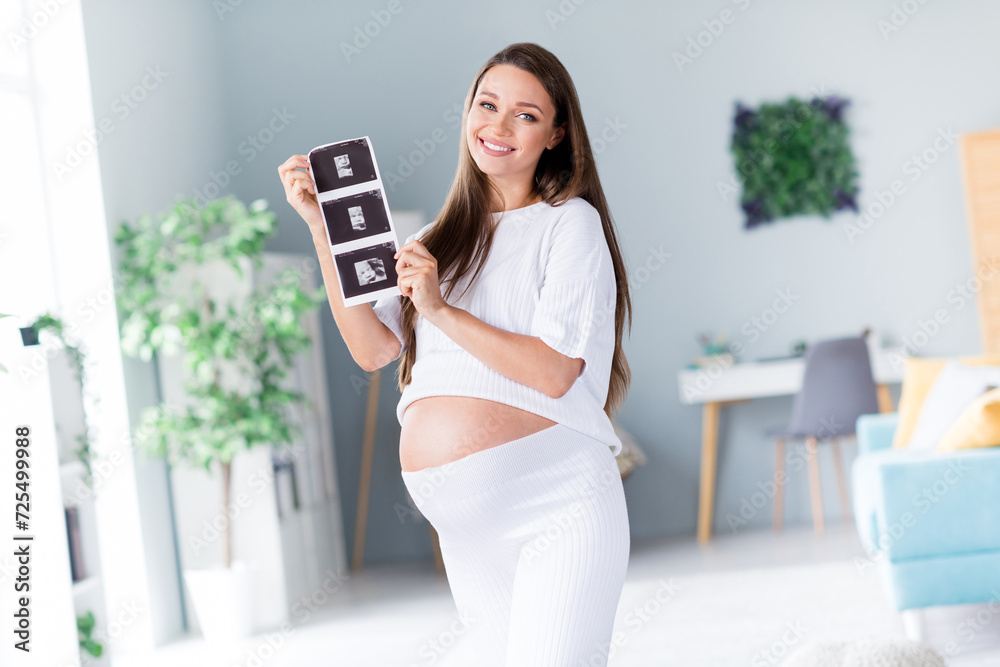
258,337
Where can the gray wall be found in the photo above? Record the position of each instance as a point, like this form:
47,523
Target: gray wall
661,172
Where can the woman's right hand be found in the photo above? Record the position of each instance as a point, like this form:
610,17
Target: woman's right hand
300,191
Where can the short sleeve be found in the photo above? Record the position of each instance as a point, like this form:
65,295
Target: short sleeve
575,310
389,309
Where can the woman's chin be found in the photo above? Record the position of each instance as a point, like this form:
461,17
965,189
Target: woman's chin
491,169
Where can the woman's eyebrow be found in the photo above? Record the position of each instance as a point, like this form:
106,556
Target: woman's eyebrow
519,104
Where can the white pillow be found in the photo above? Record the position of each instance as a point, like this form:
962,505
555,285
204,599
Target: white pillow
954,388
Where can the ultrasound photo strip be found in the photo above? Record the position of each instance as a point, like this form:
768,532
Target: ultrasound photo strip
357,219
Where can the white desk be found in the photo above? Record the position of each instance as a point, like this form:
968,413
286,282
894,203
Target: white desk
716,385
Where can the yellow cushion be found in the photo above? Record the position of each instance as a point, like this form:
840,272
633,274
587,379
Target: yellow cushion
918,376
977,426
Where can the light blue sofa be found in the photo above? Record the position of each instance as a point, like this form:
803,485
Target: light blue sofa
929,522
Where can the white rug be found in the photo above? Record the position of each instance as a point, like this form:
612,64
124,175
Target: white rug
753,618
745,618
750,617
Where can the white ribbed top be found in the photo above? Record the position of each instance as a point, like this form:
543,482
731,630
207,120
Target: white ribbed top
549,274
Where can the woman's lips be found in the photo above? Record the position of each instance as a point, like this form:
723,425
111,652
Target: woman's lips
494,152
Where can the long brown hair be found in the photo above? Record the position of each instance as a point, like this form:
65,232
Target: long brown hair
465,223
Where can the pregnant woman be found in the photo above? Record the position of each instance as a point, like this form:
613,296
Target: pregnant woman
509,340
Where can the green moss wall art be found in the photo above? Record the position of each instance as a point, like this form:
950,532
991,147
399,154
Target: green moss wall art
793,158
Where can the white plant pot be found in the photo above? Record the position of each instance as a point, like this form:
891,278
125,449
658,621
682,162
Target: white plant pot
224,600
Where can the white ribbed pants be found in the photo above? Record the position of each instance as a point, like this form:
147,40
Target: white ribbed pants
535,538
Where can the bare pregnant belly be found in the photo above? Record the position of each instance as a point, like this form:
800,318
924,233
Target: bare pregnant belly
441,429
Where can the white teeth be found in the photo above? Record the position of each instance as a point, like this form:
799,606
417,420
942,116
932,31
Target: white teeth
495,148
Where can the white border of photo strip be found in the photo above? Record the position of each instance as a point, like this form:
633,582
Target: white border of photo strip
358,244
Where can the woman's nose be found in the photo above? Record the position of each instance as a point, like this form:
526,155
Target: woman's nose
501,126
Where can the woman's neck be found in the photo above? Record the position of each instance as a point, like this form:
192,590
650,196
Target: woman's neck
515,196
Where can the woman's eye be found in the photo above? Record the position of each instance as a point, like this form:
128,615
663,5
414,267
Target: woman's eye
491,107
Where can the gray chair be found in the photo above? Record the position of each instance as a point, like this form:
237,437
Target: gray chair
837,388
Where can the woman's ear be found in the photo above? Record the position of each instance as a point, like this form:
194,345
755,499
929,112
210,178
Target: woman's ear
557,137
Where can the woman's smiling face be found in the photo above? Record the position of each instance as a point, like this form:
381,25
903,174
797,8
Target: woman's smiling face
510,122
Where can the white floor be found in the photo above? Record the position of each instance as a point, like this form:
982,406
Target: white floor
746,599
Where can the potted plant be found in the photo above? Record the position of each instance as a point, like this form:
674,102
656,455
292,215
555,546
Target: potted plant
85,630
714,352
78,361
251,343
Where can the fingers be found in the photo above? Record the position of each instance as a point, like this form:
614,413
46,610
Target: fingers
292,163
289,173
296,181
415,248
302,180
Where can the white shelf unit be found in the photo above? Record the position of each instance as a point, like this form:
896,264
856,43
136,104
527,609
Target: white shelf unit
68,417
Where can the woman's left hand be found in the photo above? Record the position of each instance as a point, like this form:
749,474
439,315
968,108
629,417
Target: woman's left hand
418,278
